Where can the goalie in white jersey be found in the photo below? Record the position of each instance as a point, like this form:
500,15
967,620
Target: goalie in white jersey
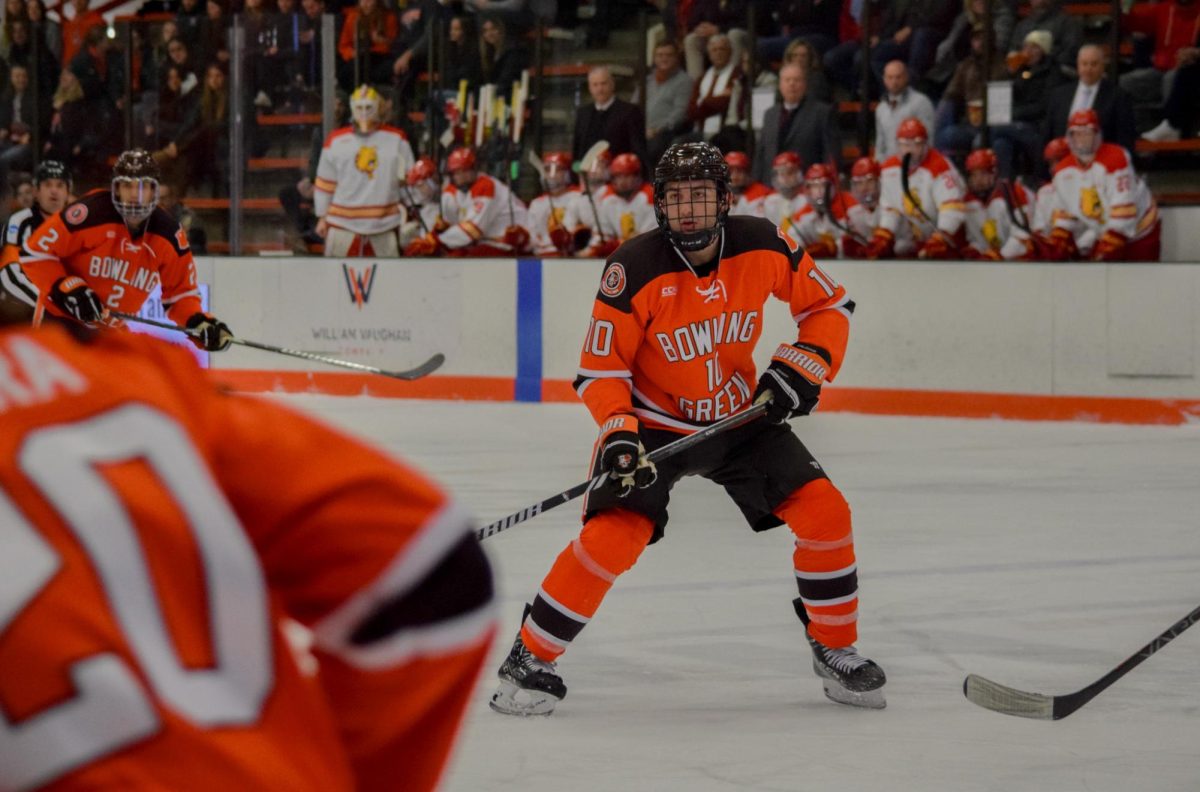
484,217
931,210
1103,211
356,195
991,232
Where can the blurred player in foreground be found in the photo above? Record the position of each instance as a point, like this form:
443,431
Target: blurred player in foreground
156,533
668,351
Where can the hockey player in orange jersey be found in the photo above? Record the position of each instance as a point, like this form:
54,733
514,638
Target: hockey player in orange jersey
668,351
157,531
108,252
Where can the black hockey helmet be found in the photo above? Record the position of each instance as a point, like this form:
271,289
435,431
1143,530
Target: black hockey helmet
137,169
692,162
51,169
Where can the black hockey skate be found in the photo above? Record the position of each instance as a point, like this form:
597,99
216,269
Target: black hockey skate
528,686
848,677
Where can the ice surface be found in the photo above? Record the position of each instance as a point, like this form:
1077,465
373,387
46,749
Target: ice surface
1037,554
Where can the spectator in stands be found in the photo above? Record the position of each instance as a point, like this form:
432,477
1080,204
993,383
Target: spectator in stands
365,46
609,118
516,15
910,32
1065,29
1034,76
310,41
17,122
796,123
197,237
1096,92
14,11
49,30
957,44
668,90
207,150
808,57
462,54
429,17
22,53
101,74
215,46
169,128
189,22
1174,27
710,107
75,28
900,101
21,187
706,18
274,38
74,134
501,59
814,22
1180,108
179,57
958,118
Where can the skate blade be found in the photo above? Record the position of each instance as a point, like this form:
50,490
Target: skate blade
512,700
868,699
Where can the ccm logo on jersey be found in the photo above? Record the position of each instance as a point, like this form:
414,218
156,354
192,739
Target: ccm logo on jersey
613,282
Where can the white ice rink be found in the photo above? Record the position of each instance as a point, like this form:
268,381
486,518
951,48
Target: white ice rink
1037,554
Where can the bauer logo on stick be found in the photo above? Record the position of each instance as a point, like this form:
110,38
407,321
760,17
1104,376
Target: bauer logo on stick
613,282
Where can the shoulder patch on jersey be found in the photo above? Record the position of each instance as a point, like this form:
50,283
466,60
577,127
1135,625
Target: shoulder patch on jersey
613,282
76,213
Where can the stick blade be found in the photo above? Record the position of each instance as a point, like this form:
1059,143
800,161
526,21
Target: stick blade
425,369
1009,701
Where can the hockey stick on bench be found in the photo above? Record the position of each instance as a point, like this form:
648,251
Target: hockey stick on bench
1010,701
428,367
657,455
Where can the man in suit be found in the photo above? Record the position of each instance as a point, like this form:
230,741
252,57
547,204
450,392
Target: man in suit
1095,92
608,118
796,123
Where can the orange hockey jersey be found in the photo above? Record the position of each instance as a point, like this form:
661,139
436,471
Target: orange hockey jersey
156,532
675,349
90,239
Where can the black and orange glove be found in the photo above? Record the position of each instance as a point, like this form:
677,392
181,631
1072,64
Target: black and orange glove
1110,246
622,455
208,332
883,243
75,298
792,382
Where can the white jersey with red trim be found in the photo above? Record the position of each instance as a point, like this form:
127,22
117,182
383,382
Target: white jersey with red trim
622,218
547,213
938,189
814,228
358,179
1106,195
990,228
1041,219
480,214
752,200
780,209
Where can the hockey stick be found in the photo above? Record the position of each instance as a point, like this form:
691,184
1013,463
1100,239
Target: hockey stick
833,216
657,455
917,204
585,165
428,367
1010,701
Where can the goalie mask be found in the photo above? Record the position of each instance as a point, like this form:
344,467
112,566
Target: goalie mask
364,108
135,186
691,194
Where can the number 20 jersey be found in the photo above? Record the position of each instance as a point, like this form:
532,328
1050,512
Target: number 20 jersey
676,349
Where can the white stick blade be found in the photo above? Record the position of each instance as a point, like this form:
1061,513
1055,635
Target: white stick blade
1010,701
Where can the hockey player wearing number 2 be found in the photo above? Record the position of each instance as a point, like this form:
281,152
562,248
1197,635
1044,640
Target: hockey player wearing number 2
668,351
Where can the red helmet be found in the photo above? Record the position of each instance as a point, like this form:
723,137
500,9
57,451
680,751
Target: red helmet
561,159
864,167
982,160
1084,118
1055,150
738,159
422,169
626,165
787,158
911,129
460,159
818,171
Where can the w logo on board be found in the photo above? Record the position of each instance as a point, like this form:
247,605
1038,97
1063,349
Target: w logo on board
359,283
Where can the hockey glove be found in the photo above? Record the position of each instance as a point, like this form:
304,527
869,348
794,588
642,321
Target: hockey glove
75,298
937,247
516,238
562,240
1110,246
208,332
1062,245
882,244
623,457
852,248
823,248
792,383
427,245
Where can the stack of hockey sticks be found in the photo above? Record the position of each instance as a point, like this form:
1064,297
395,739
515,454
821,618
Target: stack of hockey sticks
426,368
